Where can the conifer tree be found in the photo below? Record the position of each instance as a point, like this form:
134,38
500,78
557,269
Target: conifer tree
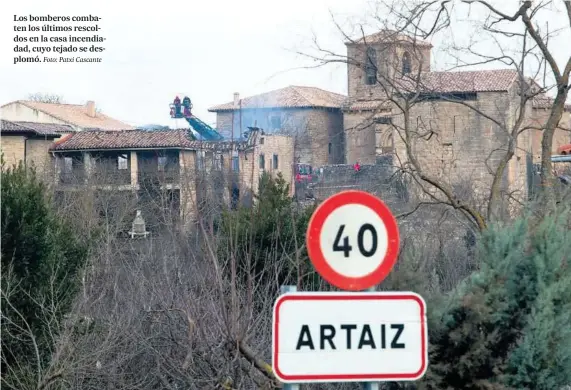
509,325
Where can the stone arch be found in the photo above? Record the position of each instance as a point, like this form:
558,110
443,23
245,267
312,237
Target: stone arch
385,140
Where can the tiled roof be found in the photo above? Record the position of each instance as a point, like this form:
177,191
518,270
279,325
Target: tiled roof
461,82
77,115
389,36
289,97
133,139
42,129
544,101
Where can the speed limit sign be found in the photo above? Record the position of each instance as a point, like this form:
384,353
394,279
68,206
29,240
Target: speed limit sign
353,240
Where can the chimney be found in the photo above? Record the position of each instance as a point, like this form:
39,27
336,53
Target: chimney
236,99
90,107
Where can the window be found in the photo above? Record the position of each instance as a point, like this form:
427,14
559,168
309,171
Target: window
275,122
200,159
123,162
262,161
406,66
329,148
383,120
218,161
67,164
235,164
275,162
162,163
371,67
262,141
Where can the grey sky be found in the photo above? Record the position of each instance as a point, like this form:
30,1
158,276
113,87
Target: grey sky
207,49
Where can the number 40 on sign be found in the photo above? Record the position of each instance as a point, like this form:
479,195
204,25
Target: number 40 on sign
353,240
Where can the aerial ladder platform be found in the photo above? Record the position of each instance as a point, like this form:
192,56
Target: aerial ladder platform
183,110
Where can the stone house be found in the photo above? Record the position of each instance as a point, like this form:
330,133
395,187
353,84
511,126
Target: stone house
29,142
167,168
458,119
28,127
313,116
78,116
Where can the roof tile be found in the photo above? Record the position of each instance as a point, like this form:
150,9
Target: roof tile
43,129
289,97
457,82
134,139
77,115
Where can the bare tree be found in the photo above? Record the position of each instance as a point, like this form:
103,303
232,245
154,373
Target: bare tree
46,98
410,93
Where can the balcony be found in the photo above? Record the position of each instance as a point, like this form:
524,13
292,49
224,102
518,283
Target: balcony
108,174
109,168
158,168
170,175
72,177
71,169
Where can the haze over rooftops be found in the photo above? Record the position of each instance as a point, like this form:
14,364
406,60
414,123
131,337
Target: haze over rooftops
288,97
76,114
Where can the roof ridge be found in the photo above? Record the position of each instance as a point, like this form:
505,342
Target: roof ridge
321,89
54,104
469,71
301,94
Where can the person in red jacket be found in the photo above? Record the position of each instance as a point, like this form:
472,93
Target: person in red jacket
357,166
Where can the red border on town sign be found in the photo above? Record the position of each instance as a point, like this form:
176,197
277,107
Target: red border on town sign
315,252
341,377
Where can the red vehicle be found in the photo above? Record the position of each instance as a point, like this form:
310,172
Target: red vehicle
303,173
564,149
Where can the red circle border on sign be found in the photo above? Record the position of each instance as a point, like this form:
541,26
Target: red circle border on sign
314,245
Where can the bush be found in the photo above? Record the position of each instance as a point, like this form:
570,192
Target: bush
268,239
41,259
508,324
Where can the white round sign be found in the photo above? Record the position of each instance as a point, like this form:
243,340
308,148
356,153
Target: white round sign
353,240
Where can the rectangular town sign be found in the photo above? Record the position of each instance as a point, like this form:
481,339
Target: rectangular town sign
349,337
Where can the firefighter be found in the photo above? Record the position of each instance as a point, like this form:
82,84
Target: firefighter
187,106
177,107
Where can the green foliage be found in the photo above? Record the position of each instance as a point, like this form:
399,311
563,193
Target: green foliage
509,325
269,238
41,259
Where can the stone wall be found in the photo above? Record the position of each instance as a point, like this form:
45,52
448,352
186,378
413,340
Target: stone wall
31,151
365,137
318,133
379,179
13,148
461,147
389,63
38,155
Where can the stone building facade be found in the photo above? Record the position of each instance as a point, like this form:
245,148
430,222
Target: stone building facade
78,116
194,177
310,115
457,121
29,128
29,143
